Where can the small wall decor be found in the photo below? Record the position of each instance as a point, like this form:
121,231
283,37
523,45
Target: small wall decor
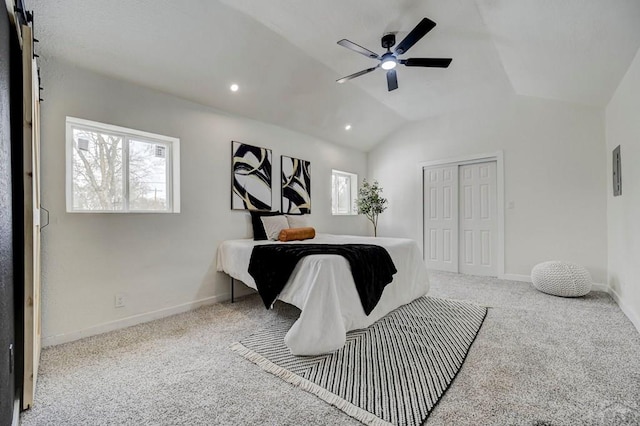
250,177
617,172
296,185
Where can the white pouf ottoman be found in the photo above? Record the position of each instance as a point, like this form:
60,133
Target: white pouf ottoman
561,279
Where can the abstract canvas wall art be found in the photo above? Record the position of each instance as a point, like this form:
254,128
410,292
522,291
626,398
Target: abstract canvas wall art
250,177
296,185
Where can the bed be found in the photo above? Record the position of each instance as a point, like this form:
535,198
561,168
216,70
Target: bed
322,287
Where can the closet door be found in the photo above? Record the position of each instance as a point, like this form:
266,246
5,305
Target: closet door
478,219
441,218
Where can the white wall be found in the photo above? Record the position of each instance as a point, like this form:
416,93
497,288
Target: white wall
159,261
554,157
623,212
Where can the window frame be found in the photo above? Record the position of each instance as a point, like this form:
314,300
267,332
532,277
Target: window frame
173,163
353,191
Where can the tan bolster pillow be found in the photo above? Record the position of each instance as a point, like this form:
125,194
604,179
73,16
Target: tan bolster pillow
293,234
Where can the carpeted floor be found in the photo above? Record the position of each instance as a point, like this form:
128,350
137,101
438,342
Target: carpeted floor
538,360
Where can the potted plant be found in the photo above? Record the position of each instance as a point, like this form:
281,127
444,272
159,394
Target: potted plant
371,203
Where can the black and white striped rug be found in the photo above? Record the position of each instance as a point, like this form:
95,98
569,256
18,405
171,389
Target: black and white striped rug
393,372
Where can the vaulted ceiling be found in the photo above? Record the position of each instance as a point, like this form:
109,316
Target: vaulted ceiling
283,54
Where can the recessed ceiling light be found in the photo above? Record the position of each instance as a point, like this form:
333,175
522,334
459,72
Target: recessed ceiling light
347,127
234,87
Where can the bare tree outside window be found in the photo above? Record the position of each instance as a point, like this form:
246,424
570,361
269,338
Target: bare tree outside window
102,171
97,171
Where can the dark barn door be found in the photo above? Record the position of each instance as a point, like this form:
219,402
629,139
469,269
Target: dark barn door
7,301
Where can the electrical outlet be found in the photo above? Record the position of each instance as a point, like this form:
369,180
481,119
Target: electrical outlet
119,300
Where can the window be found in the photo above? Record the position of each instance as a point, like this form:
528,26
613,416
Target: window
112,169
344,188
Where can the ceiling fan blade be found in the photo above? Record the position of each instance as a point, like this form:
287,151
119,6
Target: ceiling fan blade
392,80
416,34
427,62
354,75
357,48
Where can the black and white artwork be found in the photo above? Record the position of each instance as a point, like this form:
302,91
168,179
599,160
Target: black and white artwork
296,185
250,177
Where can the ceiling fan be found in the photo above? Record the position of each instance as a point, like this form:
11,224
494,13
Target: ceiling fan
389,60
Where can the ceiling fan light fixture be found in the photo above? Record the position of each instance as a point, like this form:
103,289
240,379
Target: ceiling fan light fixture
389,61
389,64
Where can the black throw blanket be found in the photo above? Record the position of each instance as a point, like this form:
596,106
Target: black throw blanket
271,266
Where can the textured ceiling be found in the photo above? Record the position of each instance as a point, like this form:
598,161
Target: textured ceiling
284,56
571,50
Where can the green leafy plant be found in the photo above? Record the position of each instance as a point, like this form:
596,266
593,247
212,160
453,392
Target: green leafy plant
371,203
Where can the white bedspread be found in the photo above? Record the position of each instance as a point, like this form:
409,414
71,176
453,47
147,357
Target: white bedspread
322,287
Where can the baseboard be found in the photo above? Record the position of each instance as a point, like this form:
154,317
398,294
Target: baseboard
132,320
527,279
516,277
633,316
600,287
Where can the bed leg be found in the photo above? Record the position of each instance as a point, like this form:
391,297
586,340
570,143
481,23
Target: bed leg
232,290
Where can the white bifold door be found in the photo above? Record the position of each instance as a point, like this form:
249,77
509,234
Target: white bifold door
460,218
441,218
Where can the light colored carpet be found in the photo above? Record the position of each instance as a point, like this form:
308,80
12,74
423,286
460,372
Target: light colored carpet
538,360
